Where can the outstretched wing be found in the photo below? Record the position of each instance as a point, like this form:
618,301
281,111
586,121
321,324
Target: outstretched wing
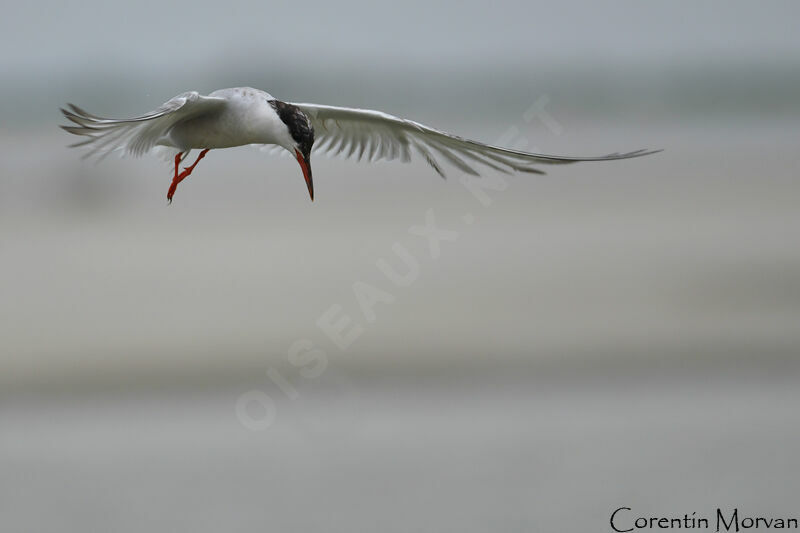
375,135
136,136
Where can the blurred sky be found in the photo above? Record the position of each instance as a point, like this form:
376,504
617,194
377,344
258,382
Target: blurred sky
413,55
162,35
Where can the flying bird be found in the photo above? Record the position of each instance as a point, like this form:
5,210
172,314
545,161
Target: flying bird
242,115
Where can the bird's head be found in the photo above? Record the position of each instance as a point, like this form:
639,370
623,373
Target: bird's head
301,132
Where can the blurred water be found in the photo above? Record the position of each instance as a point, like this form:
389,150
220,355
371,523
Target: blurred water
548,454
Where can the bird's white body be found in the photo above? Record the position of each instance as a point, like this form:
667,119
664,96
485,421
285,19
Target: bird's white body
247,118
242,115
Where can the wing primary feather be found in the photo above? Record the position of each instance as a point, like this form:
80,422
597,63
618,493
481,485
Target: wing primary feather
430,159
454,159
489,163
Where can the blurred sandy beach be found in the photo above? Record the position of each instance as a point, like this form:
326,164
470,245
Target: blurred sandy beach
687,257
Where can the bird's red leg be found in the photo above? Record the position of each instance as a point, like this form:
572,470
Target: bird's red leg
186,171
174,184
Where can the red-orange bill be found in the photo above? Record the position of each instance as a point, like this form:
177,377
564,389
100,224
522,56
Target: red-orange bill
306,167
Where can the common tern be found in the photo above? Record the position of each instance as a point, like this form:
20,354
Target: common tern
243,115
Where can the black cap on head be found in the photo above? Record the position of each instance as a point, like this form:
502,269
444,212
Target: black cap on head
298,123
